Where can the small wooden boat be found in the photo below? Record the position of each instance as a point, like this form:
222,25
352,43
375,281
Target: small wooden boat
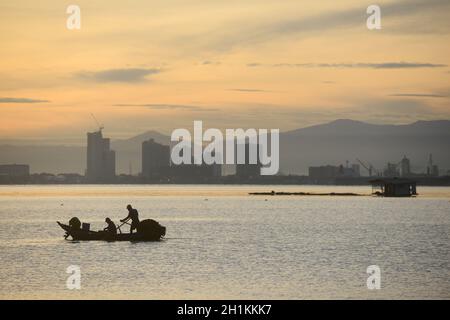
148,230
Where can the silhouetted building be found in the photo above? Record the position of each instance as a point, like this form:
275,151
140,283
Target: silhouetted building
329,174
356,170
349,172
248,170
69,178
155,159
15,170
215,169
192,173
101,161
434,172
332,172
432,169
391,170
405,167
323,172
14,173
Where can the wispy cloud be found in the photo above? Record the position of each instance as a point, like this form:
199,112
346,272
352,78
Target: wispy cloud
130,75
358,65
418,95
21,100
267,30
158,106
208,62
248,90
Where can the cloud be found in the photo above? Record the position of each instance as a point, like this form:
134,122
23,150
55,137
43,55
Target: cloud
21,100
130,75
254,64
313,25
418,95
208,62
248,90
358,65
158,106
398,110
388,65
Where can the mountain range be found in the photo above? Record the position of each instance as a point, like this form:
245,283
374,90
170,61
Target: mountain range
332,143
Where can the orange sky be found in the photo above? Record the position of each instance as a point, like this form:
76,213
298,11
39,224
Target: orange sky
159,65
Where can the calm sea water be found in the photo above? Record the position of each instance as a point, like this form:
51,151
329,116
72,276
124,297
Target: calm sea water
222,243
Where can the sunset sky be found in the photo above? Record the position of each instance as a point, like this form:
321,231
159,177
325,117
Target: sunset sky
159,65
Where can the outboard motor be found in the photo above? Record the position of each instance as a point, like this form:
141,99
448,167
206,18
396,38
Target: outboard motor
75,223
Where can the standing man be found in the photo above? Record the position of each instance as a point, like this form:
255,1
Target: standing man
134,216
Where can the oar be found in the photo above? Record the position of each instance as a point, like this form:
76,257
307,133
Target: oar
126,222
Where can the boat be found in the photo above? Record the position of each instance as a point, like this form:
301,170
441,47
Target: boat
148,230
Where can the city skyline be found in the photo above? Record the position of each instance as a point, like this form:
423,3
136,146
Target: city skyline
157,65
332,143
157,163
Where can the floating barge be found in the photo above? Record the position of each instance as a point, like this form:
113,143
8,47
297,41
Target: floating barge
394,187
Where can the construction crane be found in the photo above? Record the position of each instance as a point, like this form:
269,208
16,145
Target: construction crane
370,168
100,127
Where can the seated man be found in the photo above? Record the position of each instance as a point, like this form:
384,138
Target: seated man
134,216
111,228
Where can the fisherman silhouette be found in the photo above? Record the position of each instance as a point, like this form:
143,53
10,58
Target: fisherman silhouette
134,216
111,228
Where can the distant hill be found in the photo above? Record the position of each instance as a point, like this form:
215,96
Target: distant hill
329,143
136,141
341,140
128,151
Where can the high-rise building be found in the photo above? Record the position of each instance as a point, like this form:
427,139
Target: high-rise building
432,169
101,160
155,159
248,170
405,167
391,170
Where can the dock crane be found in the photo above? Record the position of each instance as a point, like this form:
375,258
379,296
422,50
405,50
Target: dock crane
370,168
100,127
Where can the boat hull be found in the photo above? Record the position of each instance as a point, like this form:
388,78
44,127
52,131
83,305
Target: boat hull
83,235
